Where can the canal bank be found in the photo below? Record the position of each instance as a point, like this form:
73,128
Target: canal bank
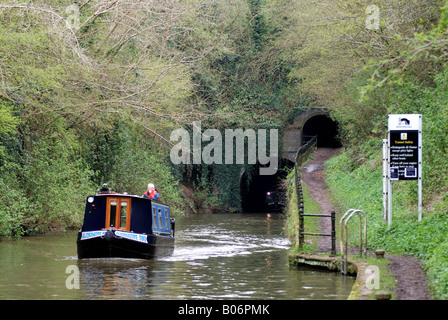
399,276
364,286
318,192
402,276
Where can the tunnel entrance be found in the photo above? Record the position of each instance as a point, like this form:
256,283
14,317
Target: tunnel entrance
325,129
263,193
254,188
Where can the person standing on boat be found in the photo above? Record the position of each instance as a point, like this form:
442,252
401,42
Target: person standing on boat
152,193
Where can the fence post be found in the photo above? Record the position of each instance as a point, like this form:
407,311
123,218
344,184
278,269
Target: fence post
301,152
333,233
301,227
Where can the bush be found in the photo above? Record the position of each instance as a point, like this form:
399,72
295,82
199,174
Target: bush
15,205
56,181
438,270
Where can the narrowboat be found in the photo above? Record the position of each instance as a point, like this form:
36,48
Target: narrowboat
126,226
274,201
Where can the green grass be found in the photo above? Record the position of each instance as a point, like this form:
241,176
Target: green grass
426,240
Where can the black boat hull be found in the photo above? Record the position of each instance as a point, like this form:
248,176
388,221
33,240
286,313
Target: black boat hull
110,245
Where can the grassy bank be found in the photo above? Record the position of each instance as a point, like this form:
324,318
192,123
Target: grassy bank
361,188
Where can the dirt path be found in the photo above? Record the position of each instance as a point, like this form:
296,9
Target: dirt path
312,175
411,281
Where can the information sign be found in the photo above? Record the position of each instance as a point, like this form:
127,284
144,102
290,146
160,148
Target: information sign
402,156
404,146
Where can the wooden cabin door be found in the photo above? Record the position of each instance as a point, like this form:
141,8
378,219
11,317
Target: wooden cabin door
118,213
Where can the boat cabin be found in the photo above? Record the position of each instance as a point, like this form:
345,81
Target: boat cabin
126,226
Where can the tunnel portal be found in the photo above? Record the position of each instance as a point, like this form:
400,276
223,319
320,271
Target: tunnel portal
325,129
253,191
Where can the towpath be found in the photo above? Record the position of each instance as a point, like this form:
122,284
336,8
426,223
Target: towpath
411,280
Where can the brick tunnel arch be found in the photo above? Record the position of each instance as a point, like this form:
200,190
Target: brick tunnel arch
310,122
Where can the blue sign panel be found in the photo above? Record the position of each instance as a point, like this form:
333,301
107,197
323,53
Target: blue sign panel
92,234
132,236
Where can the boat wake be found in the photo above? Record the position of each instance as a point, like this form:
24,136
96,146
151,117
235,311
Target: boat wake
210,242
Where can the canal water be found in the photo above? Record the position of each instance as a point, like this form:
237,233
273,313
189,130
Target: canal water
219,256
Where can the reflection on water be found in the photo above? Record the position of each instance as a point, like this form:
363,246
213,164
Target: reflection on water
228,256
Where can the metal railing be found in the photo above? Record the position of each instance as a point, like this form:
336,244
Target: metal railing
344,236
303,152
332,234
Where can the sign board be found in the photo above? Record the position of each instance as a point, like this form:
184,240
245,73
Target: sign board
404,146
402,157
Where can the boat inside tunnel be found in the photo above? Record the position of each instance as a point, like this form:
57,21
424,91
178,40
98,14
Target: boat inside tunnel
263,193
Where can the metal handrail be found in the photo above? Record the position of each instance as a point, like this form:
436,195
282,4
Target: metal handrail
344,235
303,150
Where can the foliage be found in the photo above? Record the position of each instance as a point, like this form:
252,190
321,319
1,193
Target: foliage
15,203
57,181
437,270
8,123
92,98
44,189
331,41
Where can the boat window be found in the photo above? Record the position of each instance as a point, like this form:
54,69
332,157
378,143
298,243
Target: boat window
167,220
113,213
154,218
123,211
160,218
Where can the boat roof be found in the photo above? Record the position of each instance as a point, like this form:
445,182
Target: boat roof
116,194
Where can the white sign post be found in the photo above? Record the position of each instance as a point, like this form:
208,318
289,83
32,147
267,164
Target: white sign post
404,155
385,177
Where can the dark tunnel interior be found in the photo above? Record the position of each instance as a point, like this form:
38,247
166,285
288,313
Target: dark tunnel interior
325,129
254,193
